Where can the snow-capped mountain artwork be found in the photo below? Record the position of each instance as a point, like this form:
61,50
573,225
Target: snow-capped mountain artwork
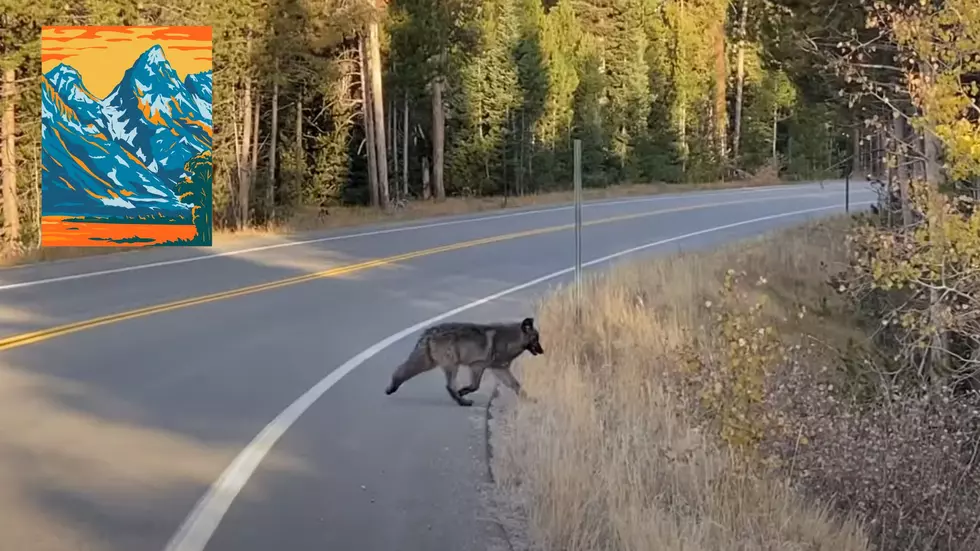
132,168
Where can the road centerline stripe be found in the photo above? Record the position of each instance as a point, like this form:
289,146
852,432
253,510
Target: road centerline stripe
24,339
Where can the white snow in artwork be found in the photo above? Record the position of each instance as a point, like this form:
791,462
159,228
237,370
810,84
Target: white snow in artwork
204,107
112,176
156,55
117,202
78,94
149,200
158,103
117,124
155,191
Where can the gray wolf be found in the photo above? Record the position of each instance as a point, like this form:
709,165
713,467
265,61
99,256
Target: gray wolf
479,346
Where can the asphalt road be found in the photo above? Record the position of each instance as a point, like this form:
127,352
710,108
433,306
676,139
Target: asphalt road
112,431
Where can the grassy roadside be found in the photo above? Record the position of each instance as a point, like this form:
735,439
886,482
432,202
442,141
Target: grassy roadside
681,417
349,216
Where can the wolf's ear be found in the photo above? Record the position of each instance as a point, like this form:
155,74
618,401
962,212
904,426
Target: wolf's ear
527,324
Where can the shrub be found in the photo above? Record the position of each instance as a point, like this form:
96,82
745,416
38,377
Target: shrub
726,366
920,286
906,463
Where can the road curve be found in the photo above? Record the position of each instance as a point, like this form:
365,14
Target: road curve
234,401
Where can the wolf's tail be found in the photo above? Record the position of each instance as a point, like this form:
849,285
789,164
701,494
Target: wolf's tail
417,362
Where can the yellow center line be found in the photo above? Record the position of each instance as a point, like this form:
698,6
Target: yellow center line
24,339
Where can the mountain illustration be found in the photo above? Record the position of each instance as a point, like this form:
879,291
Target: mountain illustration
90,175
134,157
68,83
199,85
154,115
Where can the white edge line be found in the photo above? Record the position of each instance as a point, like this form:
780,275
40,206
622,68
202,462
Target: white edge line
384,231
197,529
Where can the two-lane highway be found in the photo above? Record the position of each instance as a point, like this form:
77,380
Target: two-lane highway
235,400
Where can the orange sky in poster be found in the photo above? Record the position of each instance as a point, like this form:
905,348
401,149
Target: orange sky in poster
102,54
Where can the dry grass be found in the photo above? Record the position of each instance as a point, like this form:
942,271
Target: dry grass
609,458
309,219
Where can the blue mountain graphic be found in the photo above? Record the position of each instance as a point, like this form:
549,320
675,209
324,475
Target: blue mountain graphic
68,83
151,113
199,85
123,156
89,175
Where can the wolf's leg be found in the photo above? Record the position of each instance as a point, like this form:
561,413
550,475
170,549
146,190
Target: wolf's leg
451,385
476,375
506,377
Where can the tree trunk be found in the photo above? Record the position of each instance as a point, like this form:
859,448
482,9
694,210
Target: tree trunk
869,141
8,160
882,153
272,145
933,173
775,130
517,156
299,152
721,80
368,126
930,141
875,154
901,165
239,169
438,140
740,80
939,352
875,146
426,188
678,64
256,110
393,143
682,137
298,146
405,147
530,164
244,173
522,146
918,166
856,160
377,100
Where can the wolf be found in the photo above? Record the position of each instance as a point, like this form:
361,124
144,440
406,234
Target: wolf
479,346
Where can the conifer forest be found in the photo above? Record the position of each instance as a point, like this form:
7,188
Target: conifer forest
325,102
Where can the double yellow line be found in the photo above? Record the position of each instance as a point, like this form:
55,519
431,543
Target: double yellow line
25,339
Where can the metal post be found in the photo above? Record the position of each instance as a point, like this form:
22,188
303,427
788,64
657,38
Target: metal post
578,224
847,192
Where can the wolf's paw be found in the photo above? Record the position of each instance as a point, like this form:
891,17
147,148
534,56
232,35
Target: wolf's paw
390,389
464,402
